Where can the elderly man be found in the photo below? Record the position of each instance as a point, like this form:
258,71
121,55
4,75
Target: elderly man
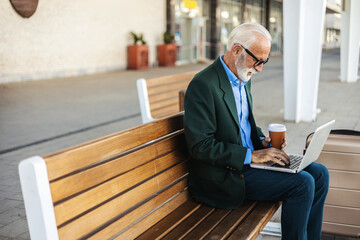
223,140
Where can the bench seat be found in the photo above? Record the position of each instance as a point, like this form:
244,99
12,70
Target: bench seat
129,185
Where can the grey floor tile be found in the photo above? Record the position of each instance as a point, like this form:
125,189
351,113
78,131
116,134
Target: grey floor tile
14,229
24,236
6,238
12,215
6,204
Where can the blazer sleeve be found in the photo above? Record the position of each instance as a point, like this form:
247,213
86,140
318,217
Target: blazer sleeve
201,130
261,134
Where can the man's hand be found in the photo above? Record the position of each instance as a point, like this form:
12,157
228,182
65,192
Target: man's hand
266,143
270,154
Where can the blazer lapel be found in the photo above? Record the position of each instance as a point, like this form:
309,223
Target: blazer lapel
230,102
254,134
227,90
248,93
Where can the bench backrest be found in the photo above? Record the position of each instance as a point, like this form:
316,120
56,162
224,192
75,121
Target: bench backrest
101,188
159,97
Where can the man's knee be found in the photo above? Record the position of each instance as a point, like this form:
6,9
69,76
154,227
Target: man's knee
305,186
320,174
324,171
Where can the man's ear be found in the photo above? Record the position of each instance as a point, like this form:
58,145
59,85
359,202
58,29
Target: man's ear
236,50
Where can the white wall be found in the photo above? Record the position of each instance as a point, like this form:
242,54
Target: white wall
67,38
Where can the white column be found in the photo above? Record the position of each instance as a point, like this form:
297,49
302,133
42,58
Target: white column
350,40
303,29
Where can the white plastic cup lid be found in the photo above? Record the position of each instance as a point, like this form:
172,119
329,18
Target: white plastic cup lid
276,127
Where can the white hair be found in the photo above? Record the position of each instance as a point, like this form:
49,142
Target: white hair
246,34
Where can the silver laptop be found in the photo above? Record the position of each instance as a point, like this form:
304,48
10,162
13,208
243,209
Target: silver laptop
298,162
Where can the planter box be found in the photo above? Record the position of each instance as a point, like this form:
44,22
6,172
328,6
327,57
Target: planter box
166,54
138,56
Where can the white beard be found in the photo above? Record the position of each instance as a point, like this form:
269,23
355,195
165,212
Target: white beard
243,71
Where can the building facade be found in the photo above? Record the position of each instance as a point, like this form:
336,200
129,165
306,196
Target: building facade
75,38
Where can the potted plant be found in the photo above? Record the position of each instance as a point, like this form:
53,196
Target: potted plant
138,53
166,53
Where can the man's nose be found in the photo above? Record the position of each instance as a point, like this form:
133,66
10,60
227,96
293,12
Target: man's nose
259,68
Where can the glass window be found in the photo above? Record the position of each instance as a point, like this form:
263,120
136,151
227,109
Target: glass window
255,11
232,14
191,27
230,17
275,27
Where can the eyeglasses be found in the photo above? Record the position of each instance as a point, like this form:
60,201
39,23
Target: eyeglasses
258,62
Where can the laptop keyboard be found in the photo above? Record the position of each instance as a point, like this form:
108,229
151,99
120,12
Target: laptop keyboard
295,161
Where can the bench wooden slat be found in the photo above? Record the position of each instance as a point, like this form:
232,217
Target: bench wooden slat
154,218
205,227
164,226
168,87
251,227
97,217
93,176
130,218
190,223
89,199
164,103
231,221
70,160
166,111
160,97
167,83
170,79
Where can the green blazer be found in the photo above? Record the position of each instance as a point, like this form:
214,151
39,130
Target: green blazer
213,137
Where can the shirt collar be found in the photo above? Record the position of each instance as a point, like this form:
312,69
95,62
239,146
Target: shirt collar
231,76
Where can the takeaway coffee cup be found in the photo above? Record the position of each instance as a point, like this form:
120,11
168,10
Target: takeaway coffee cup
277,134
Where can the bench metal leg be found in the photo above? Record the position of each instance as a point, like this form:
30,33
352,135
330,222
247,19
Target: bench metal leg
272,228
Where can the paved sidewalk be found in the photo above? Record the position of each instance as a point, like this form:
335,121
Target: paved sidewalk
41,117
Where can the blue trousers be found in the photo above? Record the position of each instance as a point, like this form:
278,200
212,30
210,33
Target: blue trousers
303,195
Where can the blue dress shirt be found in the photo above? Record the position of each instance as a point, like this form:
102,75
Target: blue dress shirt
242,108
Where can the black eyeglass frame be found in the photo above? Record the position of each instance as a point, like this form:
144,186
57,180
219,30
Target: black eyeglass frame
258,61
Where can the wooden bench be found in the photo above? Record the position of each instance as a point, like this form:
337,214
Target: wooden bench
341,155
129,185
158,97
